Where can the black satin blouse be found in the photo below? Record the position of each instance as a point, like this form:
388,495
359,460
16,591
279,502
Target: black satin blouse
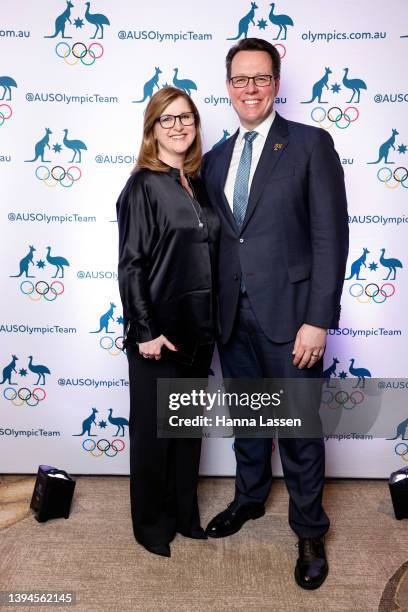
168,247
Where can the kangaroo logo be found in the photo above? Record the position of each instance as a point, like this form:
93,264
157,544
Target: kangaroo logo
243,24
24,395
8,371
25,263
104,321
119,422
148,87
282,21
357,264
330,371
385,149
40,148
61,21
401,431
318,87
100,447
7,83
87,424
41,289
223,139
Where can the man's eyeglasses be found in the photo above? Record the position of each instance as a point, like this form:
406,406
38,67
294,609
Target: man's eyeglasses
260,80
169,121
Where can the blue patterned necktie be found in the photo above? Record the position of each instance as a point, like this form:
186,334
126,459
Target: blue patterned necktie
240,201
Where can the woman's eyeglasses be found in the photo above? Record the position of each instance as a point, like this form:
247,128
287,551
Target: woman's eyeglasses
169,121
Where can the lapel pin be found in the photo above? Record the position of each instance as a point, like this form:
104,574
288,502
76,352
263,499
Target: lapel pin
277,146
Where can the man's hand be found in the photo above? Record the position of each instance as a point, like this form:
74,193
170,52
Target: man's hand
309,345
152,349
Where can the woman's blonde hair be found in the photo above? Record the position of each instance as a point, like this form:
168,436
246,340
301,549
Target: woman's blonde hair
148,150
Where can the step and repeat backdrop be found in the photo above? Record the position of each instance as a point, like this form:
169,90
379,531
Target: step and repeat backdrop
75,78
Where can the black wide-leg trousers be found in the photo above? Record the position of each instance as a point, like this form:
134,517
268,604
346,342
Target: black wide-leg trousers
250,354
163,472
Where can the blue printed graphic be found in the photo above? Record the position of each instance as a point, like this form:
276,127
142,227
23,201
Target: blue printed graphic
385,148
148,87
374,291
79,53
318,87
113,346
61,21
41,370
23,394
96,19
391,264
104,321
7,83
223,139
185,84
282,21
103,446
58,174
398,177
401,431
243,24
74,145
354,84
360,373
58,262
8,371
41,288
342,118
39,148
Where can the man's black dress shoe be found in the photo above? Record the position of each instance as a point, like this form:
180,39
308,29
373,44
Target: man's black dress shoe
231,520
159,549
311,567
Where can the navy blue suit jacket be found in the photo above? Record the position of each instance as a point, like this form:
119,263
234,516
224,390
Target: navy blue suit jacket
291,250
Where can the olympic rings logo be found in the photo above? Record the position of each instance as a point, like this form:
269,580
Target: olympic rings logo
24,396
335,116
113,347
79,52
347,400
392,180
281,49
372,292
401,449
41,289
58,175
6,113
103,447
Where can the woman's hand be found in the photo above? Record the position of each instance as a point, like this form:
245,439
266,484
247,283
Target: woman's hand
152,349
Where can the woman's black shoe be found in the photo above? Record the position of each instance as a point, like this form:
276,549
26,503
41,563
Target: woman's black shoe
197,533
160,549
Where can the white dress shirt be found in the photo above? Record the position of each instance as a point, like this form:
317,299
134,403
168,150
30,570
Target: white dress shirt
257,148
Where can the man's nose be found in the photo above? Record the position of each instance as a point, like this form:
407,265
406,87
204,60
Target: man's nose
251,87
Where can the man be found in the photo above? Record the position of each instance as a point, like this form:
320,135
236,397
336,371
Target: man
278,188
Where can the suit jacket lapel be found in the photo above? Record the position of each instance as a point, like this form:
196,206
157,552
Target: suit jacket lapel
223,167
275,144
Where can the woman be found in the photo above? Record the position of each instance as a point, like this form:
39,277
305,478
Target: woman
167,249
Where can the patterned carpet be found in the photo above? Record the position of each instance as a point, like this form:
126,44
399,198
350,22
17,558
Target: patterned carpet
94,554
